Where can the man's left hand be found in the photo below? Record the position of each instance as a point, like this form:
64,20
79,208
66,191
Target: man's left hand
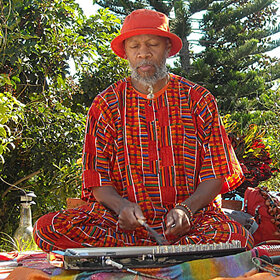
177,222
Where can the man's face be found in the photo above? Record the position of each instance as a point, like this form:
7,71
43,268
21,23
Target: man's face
147,56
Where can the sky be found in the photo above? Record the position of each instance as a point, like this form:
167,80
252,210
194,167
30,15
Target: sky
90,9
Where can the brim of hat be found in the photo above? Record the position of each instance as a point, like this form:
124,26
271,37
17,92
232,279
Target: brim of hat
117,43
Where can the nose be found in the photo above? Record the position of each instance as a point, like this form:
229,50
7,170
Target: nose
144,52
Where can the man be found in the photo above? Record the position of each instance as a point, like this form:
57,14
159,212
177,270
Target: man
154,150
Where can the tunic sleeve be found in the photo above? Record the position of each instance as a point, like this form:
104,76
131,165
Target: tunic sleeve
97,151
218,159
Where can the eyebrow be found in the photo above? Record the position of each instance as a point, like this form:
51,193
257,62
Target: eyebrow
132,40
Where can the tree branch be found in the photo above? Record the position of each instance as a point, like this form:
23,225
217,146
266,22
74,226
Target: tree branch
14,185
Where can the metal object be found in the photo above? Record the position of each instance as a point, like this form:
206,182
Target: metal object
96,258
159,238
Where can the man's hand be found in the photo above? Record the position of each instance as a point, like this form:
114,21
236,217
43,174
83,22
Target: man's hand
129,215
177,222
127,212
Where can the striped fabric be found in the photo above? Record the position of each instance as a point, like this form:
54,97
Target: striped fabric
154,152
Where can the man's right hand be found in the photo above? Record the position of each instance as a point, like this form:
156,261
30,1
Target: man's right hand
128,212
129,215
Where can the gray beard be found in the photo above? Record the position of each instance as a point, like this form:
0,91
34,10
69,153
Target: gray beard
160,73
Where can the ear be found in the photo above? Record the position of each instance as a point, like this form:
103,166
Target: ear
168,45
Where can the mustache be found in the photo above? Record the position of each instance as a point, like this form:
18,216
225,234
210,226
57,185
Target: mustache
144,62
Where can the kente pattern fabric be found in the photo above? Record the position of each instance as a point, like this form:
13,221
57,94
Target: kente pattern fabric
154,152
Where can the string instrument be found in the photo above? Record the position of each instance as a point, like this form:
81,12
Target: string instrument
141,256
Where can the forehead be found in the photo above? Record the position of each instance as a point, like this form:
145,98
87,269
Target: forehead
145,37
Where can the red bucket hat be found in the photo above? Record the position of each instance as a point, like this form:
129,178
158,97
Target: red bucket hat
145,22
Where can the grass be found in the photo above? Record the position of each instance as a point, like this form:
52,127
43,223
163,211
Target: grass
9,244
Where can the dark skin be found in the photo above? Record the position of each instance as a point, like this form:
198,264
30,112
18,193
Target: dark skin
153,48
177,219
204,194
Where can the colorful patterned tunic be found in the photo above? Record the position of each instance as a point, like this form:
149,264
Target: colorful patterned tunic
155,153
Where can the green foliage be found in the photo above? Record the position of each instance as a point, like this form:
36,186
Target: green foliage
106,68
271,122
7,243
39,38
256,138
11,113
126,7
103,72
51,143
233,64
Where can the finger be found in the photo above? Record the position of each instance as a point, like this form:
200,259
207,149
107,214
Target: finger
127,219
138,213
176,228
170,229
180,224
170,220
184,228
170,223
127,225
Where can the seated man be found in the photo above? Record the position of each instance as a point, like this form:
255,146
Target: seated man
154,150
